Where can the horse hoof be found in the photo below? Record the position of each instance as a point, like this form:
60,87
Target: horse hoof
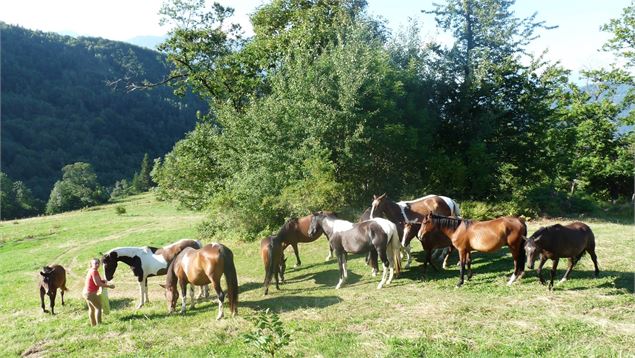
219,317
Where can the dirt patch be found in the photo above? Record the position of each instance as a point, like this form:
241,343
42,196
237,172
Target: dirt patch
36,350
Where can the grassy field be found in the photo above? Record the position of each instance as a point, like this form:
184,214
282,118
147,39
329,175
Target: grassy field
410,318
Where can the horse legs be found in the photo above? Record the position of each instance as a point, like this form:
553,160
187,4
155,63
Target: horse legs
145,290
462,259
341,258
468,263
183,284
42,293
446,253
216,275
52,294
591,251
408,257
297,254
330,249
141,293
204,292
62,293
373,261
553,271
543,259
192,300
385,262
572,262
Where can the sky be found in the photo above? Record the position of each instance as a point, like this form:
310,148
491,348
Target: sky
575,43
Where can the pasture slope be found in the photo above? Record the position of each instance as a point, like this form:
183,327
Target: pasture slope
410,318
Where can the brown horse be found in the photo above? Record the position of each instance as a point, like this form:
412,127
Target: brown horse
296,232
429,243
201,267
483,236
556,241
51,278
274,261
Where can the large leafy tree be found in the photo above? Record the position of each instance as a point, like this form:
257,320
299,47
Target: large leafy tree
78,188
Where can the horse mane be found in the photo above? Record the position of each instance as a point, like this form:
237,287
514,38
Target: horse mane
449,222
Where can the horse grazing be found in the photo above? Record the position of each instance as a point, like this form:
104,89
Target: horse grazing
556,241
379,236
429,243
145,262
51,278
296,231
412,211
201,267
273,258
483,236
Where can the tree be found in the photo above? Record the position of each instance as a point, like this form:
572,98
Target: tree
16,199
78,188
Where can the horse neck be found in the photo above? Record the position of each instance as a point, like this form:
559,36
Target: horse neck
394,211
447,230
332,225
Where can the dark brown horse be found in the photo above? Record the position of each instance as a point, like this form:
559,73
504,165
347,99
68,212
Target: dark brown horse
483,236
556,241
274,261
51,278
296,232
201,267
429,243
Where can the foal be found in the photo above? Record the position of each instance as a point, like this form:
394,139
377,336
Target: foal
51,278
272,255
430,243
556,241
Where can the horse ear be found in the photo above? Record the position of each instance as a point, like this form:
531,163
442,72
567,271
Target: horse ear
382,196
374,197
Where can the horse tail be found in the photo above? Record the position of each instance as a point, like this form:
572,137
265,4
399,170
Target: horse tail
395,246
231,278
269,264
522,256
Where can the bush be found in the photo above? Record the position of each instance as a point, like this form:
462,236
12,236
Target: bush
77,189
269,335
120,209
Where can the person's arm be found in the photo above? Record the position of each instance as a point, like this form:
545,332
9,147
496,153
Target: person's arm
99,282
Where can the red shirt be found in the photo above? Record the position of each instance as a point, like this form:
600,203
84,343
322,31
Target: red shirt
91,281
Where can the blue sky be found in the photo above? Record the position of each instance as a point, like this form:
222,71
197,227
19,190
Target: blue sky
575,42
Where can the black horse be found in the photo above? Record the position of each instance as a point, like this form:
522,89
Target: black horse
556,241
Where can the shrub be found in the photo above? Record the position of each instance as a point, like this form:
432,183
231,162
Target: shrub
120,209
269,335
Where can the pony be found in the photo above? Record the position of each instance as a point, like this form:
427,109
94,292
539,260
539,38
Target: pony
379,236
52,277
483,236
145,262
412,211
429,243
556,241
296,232
272,255
201,267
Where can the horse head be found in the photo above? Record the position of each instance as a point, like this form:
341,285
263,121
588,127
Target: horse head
410,230
427,225
532,249
109,260
315,225
378,204
46,278
171,295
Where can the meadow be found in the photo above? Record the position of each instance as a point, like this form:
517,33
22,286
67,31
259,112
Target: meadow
412,317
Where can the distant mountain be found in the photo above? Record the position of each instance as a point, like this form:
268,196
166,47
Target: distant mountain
150,42
57,108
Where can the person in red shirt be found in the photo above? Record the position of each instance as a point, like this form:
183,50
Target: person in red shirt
92,284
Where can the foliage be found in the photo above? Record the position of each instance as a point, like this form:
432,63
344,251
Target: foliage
16,199
120,209
78,188
57,108
269,335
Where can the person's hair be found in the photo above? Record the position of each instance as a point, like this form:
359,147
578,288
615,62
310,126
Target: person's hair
93,260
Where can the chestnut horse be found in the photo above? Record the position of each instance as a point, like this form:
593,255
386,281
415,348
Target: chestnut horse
201,267
272,255
429,244
556,241
146,262
51,278
483,236
412,212
379,235
296,232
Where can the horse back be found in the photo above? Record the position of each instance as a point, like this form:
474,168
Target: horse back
169,252
567,240
432,204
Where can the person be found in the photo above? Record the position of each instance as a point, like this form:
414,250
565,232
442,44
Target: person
92,285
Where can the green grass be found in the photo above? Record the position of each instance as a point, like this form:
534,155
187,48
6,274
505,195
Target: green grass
410,318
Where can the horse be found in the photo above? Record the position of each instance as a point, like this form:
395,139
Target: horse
483,236
51,278
379,236
412,211
556,241
145,262
201,267
273,259
296,232
429,244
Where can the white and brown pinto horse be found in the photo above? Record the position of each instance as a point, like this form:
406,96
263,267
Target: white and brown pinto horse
145,262
201,267
377,236
413,211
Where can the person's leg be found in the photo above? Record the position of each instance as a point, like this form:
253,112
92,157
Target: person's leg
91,310
96,303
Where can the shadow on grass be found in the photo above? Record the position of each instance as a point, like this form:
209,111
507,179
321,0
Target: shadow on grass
285,303
119,303
245,287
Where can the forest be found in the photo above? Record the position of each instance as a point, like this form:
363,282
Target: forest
324,106
58,109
